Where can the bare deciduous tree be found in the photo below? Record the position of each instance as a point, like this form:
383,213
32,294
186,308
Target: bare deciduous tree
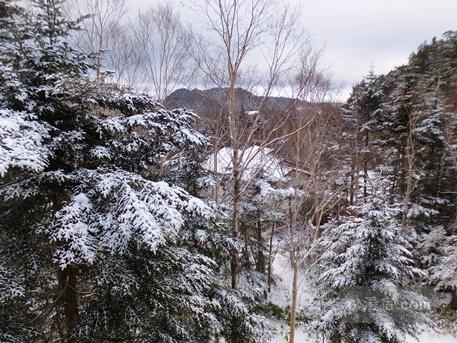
307,149
240,29
102,30
309,204
164,44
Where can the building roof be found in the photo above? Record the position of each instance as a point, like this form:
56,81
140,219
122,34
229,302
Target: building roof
255,161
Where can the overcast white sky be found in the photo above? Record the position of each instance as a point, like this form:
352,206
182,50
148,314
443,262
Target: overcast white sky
358,33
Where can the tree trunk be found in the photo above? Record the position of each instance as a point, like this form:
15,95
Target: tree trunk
357,168
260,265
409,161
453,303
235,219
215,170
233,267
351,187
365,168
270,257
293,307
68,288
318,219
234,263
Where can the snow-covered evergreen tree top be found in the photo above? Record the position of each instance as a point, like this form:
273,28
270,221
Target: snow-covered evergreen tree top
95,141
439,249
366,264
375,246
50,102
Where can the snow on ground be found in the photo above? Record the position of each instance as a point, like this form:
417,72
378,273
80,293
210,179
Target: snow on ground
253,160
434,338
281,293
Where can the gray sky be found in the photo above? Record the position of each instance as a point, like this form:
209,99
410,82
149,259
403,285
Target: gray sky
360,33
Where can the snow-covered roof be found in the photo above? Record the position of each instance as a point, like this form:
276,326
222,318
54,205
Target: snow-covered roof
254,160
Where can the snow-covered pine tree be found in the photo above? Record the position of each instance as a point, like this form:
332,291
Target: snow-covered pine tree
439,257
414,138
362,279
363,107
94,245
411,134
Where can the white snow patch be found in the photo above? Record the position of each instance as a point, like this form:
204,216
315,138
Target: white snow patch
253,161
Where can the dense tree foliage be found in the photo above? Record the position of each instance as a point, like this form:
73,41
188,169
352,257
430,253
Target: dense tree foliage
100,238
398,128
116,224
365,269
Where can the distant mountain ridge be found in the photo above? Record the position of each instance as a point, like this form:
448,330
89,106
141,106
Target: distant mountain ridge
214,101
